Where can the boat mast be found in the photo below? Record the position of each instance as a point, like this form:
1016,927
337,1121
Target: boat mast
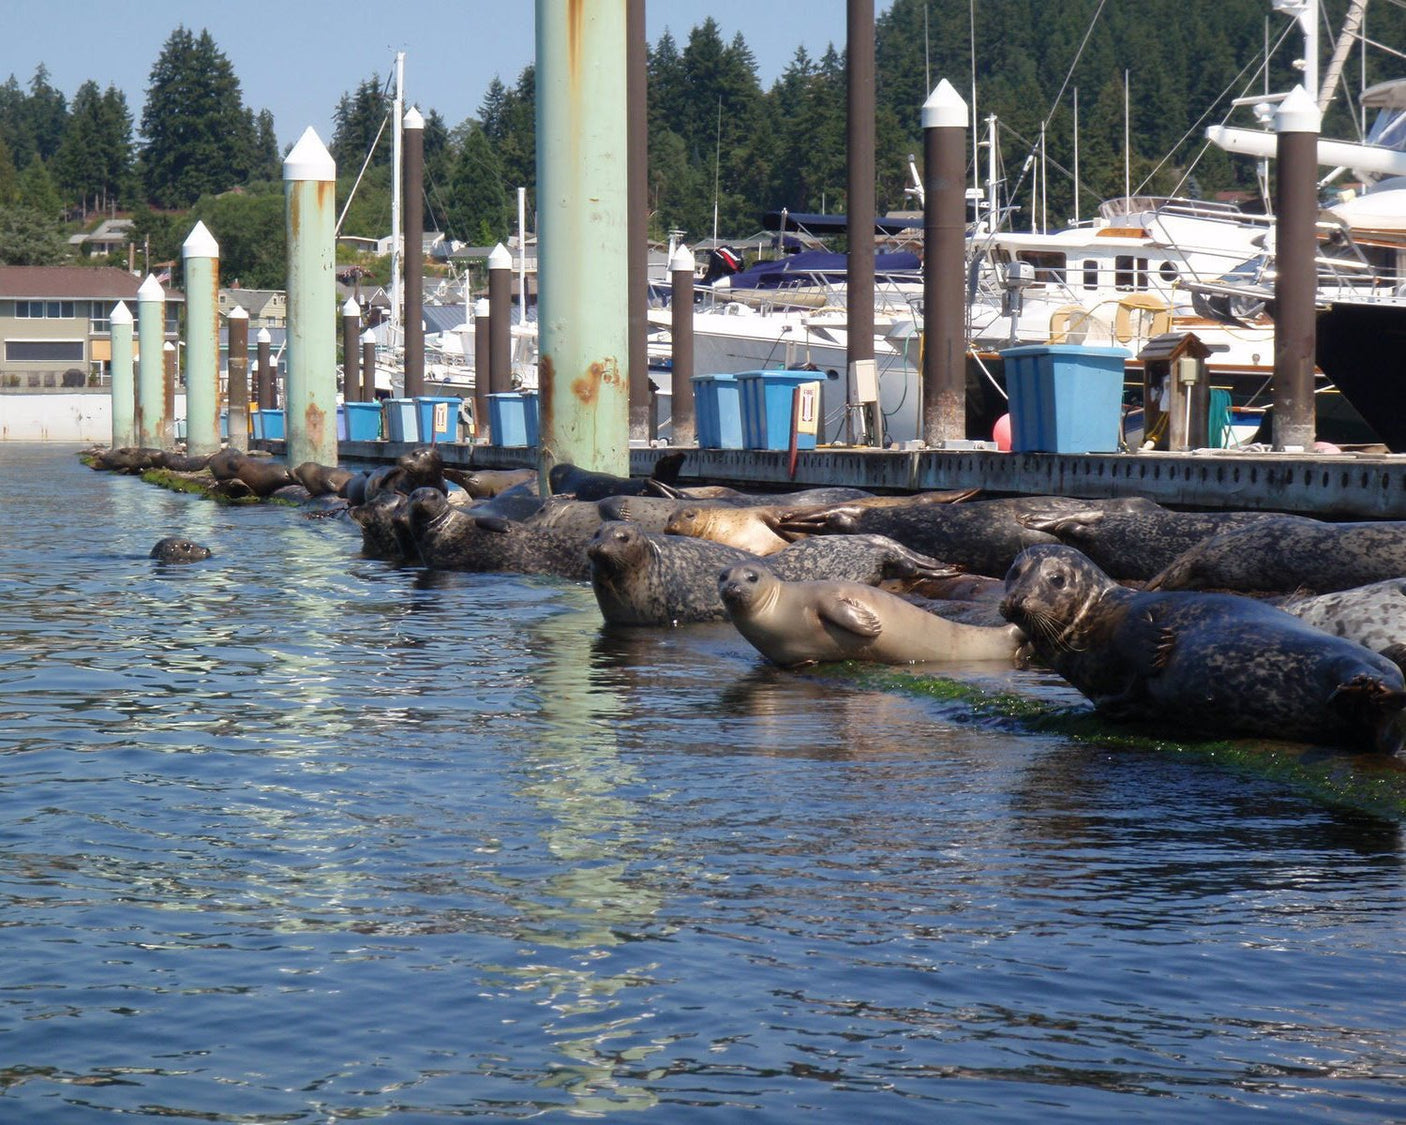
397,264
1352,23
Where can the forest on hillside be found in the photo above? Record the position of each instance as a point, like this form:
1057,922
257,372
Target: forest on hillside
716,137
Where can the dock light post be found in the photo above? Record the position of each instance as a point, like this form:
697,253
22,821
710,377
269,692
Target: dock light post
1296,124
944,285
500,320
268,385
153,419
583,236
202,280
237,325
368,366
351,354
413,156
310,184
124,382
683,418
482,325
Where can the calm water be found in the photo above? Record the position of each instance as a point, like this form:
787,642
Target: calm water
291,836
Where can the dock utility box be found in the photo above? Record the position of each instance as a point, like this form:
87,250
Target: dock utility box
1176,393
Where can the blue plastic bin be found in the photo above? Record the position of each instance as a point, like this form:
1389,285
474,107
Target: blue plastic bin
256,423
341,421
448,429
272,424
717,411
765,398
363,421
512,418
400,421
1065,398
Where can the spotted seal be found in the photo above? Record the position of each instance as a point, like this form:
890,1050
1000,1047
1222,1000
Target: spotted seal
643,578
794,623
587,485
239,475
452,538
1372,615
385,527
1133,543
752,528
1201,664
323,480
1289,554
484,484
177,549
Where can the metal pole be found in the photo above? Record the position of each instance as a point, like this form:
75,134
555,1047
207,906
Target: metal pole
637,159
368,366
1296,276
237,325
859,52
352,390
153,420
267,382
683,416
310,185
124,383
582,236
944,288
201,254
414,151
500,320
482,346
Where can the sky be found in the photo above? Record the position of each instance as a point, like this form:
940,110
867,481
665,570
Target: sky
297,57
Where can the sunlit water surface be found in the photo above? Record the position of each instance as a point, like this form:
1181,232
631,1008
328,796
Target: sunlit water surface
294,836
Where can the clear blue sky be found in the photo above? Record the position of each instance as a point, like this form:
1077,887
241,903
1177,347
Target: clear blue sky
297,57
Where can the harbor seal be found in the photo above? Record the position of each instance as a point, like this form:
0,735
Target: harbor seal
323,480
1372,615
643,578
1133,543
385,528
587,485
1290,554
452,538
484,484
793,623
176,549
751,528
1201,664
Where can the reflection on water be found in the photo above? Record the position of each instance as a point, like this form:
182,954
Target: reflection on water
294,835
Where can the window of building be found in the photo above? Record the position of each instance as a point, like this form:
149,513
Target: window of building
1167,271
1129,273
44,310
43,351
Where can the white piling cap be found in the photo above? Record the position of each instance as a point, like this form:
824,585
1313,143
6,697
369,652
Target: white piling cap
151,289
482,307
239,312
200,243
351,308
120,314
368,337
499,258
412,119
309,159
263,337
1298,113
168,346
945,108
683,259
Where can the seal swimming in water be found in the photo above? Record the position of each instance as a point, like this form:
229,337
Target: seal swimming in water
1290,554
642,578
385,528
1203,664
452,538
176,549
794,623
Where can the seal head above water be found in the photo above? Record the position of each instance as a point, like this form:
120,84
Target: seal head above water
176,549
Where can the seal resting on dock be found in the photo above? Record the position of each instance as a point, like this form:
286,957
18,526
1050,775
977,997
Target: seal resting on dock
1372,615
452,538
793,623
1216,665
642,578
323,480
176,549
1291,554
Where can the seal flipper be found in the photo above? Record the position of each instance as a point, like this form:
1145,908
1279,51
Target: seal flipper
1397,655
490,522
849,615
1366,700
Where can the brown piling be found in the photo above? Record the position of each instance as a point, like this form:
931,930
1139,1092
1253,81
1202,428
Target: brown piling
413,152
1296,279
944,288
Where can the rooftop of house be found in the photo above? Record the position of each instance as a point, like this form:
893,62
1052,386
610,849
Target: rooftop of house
82,283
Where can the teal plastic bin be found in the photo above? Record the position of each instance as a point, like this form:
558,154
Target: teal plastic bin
717,411
765,398
400,421
512,418
363,421
1065,398
271,423
448,427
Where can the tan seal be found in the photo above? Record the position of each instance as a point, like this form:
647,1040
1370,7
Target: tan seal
794,623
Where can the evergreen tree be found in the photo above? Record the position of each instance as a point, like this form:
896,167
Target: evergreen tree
15,128
37,191
267,163
199,138
29,238
358,118
251,229
47,110
478,198
9,178
94,163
